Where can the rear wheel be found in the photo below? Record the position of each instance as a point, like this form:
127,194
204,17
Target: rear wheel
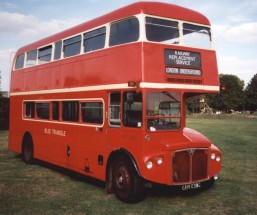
27,150
126,182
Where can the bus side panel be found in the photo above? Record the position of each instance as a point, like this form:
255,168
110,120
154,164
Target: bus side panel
124,63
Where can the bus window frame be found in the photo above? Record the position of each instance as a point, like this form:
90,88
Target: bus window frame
110,110
66,45
41,49
159,117
92,101
23,55
24,110
34,62
161,19
110,44
180,29
133,122
84,38
36,110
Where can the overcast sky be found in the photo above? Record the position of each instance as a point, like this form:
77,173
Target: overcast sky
234,25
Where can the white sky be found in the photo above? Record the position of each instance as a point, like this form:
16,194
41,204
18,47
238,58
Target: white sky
234,25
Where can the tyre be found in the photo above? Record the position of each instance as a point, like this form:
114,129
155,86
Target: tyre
126,182
27,150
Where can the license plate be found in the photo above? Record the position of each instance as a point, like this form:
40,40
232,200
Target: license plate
192,186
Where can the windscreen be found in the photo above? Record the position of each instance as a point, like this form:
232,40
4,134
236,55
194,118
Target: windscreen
163,111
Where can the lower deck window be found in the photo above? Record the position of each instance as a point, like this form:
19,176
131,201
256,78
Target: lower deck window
70,111
42,110
29,109
55,110
92,112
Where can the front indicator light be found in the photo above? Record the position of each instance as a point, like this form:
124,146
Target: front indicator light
159,160
218,158
213,156
149,164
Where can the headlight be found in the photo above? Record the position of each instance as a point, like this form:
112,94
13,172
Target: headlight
218,158
213,156
159,160
149,164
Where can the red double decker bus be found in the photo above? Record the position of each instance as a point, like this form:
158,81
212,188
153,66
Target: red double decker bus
107,99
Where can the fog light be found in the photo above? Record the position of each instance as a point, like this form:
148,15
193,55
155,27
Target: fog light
213,156
159,160
218,158
149,164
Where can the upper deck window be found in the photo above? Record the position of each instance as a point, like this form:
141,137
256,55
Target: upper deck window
72,46
94,40
44,54
197,36
31,58
162,30
124,31
19,64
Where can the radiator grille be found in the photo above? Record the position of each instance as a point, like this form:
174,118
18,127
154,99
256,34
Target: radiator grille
190,165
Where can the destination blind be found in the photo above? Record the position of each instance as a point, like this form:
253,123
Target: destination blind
182,58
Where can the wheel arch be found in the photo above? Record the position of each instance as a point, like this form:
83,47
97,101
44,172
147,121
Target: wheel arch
109,166
27,140
27,135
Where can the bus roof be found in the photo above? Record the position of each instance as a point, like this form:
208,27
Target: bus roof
151,8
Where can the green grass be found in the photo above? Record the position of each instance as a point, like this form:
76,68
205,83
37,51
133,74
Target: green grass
44,189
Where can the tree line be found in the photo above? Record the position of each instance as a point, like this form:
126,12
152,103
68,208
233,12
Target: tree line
232,97
4,112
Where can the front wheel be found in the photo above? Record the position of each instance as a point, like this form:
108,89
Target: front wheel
27,150
126,182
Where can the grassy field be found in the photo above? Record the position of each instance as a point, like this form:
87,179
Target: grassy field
43,189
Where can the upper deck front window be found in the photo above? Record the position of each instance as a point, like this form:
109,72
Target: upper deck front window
162,30
196,36
169,32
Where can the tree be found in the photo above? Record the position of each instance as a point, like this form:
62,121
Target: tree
4,109
251,94
193,104
232,97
